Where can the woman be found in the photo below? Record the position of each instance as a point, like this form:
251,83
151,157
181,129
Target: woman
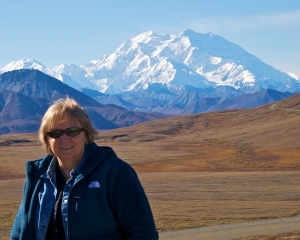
80,190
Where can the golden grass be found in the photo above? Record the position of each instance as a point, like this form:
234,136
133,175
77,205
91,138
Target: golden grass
281,236
184,199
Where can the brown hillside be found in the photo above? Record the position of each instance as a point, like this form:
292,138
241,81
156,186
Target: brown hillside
292,103
263,138
265,126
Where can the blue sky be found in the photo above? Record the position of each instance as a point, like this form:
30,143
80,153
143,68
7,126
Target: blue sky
64,32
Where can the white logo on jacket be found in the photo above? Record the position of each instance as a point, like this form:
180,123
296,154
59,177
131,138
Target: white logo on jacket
94,184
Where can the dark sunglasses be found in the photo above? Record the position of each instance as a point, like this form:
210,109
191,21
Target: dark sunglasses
71,132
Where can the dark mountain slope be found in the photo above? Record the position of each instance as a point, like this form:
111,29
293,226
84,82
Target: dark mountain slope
34,83
251,100
200,106
26,94
20,113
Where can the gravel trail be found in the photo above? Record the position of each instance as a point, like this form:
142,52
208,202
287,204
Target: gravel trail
232,231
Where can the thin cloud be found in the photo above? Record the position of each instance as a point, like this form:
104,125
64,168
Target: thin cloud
242,23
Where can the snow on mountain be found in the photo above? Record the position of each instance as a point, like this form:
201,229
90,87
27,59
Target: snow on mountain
294,76
72,75
133,65
171,62
69,74
195,59
26,63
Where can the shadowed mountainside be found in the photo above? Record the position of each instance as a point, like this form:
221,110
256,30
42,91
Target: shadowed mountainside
26,94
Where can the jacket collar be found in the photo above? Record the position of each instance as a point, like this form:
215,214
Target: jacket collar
94,156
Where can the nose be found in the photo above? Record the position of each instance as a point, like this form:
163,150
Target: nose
64,137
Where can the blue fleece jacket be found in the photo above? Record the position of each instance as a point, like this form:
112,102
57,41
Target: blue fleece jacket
107,201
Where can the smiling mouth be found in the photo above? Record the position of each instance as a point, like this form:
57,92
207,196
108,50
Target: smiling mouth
66,148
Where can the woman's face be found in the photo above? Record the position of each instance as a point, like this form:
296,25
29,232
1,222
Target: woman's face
68,150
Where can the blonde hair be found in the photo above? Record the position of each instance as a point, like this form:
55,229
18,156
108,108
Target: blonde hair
59,110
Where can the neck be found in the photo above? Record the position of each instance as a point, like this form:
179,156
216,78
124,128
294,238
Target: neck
66,169
66,174
67,165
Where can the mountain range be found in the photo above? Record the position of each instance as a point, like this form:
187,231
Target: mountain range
152,75
170,62
26,94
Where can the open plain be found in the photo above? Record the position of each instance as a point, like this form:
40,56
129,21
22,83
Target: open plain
197,170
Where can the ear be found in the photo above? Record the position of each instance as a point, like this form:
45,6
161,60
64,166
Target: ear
48,146
86,138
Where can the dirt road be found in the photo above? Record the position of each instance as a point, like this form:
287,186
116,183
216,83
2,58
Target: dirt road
285,109
232,231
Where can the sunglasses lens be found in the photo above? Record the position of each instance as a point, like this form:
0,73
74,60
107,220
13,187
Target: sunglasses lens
72,132
56,133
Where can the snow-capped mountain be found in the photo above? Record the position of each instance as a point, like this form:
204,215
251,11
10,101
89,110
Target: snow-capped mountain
198,60
25,63
171,62
57,72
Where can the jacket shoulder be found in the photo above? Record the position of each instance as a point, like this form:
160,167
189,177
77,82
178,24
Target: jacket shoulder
104,156
38,164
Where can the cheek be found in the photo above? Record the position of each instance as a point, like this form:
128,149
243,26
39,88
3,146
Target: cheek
51,143
48,145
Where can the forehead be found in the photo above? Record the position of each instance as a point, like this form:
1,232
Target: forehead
63,121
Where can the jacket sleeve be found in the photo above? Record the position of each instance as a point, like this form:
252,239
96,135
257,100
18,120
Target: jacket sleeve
16,229
17,226
130,205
